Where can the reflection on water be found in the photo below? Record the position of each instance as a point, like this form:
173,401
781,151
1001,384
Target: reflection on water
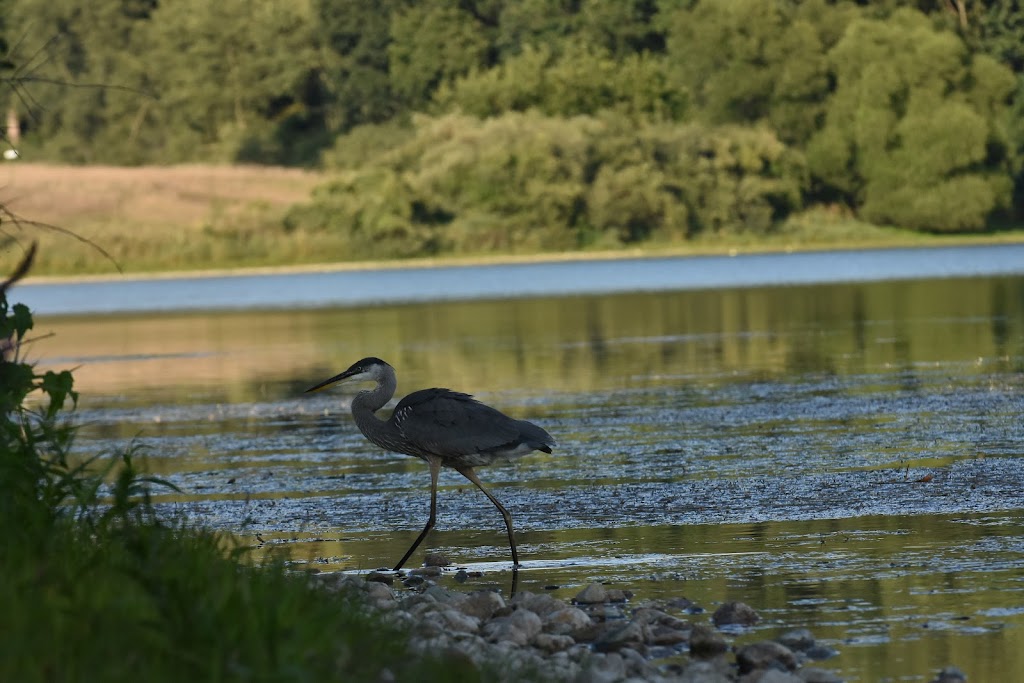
845,458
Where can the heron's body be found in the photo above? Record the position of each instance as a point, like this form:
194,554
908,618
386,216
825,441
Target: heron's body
445,428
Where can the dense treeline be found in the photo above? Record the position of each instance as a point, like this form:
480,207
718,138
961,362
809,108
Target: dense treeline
549,124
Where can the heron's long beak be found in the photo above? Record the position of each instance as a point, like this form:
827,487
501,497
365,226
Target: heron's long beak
337,378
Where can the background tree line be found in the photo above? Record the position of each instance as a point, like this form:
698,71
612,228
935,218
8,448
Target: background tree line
548,124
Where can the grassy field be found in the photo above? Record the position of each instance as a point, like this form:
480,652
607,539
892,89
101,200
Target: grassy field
209,218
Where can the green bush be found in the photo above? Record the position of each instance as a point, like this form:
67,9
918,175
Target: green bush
524,181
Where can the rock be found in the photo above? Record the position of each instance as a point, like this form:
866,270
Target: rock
684,605
425,571
550,642
452,620
653,616
436,560
413,581
666,635
739,613
443,595
637,666
593,594
706,642
819,652
566,621
704,672
379,591
618,637
482,604
950,674
812,674
769,676
518,628
538,603
617,595
766,654
603,669
381,577
798,640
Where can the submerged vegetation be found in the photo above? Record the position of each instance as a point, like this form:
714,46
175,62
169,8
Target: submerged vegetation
538,125
98,587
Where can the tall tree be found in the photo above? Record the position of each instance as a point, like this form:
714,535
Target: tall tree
234,78
915,130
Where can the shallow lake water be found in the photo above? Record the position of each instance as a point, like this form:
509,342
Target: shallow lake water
843,457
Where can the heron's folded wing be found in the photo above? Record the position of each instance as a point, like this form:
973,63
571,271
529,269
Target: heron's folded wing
448,424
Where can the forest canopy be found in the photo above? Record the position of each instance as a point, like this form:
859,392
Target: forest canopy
523,125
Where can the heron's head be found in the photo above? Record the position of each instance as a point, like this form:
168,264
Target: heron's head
365,370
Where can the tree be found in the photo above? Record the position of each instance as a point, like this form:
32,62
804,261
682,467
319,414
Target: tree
750,61
432,44
233,78
914,133
355,36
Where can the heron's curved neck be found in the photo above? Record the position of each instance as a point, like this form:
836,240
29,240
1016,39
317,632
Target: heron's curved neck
366,403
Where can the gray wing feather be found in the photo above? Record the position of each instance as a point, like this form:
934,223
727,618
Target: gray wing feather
449,424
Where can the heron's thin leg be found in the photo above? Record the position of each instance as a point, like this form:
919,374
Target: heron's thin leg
470,474
435,470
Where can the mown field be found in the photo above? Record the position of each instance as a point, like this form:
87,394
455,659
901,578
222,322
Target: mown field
206,217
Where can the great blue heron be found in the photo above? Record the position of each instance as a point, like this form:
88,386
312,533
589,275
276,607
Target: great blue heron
444,428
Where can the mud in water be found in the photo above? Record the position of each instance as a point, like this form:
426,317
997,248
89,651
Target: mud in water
846,459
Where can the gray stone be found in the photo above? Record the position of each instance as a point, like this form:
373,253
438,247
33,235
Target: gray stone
380,577
593,594
812,674
518,628
603,669
666,635
454,620
950,674
735,613
436,560
379,591
769,676
482,604
798,640
705,672
566,621
766,654
540,604
706,642
620,636
550,643
425,571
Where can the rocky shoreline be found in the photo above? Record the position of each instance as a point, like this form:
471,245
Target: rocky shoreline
599,636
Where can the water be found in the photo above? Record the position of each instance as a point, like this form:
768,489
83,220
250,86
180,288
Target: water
350,286
843,457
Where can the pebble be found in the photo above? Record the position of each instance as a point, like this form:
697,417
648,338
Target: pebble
706,642
950,674
593,594
436,560
566,620
765,655
520,627
739,613
591,641
482,604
